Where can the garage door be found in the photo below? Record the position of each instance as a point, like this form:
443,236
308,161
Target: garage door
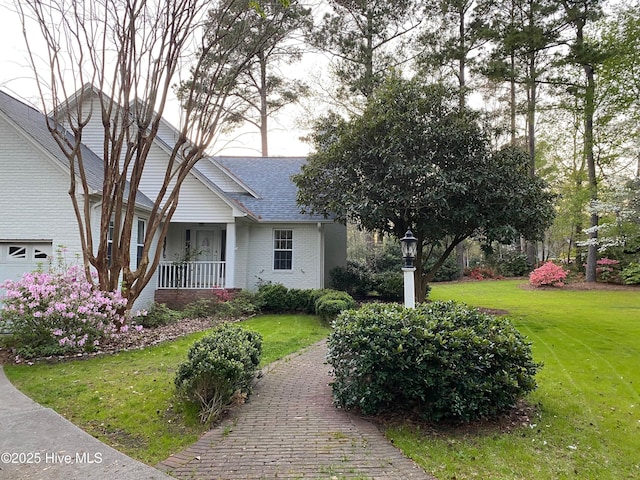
19,257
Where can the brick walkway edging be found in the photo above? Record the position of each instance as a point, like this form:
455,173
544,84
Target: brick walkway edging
289,429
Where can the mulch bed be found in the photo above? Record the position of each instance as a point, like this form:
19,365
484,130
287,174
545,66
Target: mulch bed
132,341
522,415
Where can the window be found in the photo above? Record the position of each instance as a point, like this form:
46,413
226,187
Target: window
17,252
142,225
283,249
39,254
110,242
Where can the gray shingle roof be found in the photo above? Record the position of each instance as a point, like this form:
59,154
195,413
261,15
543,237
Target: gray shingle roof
270,178
33,123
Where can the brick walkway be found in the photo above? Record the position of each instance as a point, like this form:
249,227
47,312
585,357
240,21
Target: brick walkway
290,429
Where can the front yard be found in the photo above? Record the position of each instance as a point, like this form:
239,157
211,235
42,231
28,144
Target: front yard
582,422
126,400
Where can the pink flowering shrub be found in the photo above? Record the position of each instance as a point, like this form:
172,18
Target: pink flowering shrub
548,274
60,313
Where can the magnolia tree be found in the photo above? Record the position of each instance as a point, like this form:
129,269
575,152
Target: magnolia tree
132,53
416,159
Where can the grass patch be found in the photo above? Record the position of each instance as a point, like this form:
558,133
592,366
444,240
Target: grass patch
588,426
126,400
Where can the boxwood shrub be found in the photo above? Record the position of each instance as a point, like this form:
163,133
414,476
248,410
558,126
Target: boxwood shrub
332,302
443,360
276,298
219,366
273,297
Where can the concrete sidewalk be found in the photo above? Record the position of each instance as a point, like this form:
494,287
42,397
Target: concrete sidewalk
289,428
38,444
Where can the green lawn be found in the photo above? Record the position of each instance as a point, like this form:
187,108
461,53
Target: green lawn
126,400
588,425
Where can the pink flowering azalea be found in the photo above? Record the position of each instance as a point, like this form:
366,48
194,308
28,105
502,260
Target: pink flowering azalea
77,314
548,274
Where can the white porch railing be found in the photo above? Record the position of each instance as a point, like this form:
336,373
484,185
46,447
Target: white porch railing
193,275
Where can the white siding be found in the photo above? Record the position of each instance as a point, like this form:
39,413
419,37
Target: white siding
242,258
146,298
197,202
34,203
93,133
306,257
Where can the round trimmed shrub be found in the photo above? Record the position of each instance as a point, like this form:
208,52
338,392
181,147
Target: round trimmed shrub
548,274
219,366
332,302
298,300
443,360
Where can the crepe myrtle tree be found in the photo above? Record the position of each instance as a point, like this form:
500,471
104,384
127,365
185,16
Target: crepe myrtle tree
131,54
416,160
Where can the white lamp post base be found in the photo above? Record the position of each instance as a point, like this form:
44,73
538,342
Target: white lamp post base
409,288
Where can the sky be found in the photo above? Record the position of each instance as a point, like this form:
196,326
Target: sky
17,79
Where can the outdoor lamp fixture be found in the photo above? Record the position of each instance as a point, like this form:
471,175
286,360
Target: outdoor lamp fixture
409,245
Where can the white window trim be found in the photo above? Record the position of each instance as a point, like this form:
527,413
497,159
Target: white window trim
274,250
140,244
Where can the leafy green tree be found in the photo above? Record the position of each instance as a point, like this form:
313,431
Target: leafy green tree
415,159
619,83
619,213
448,40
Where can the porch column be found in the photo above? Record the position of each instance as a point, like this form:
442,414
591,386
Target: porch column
230,271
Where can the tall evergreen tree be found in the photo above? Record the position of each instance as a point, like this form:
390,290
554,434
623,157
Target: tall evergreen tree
367,39
523,33
260,89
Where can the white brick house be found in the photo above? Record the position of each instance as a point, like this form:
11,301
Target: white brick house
237,216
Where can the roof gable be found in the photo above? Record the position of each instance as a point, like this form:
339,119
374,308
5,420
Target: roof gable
275,193
34,125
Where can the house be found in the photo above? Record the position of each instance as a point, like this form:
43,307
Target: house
237,222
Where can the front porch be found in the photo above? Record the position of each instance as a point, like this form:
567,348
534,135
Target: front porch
194,275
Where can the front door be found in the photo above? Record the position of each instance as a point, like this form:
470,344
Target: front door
208,274
208,248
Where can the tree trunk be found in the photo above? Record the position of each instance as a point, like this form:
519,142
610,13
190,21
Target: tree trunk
592,252
264,113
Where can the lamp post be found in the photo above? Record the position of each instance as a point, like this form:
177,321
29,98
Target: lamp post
409,245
